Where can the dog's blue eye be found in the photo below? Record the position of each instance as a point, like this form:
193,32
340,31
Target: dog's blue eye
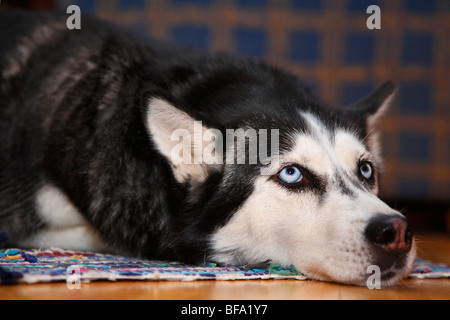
366,170
291,175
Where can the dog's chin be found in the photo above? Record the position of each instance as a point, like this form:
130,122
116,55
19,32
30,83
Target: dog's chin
363,275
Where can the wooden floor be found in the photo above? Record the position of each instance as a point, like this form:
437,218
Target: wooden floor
432,247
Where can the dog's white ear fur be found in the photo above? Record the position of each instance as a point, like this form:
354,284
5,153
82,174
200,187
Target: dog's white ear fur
180,139
373,120
372,109
373,138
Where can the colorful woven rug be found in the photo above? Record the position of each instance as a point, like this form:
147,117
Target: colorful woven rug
33,266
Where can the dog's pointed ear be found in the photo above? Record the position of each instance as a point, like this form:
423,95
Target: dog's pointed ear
368,112
192,149
372,107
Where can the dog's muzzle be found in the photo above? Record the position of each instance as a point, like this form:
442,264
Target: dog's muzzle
391,240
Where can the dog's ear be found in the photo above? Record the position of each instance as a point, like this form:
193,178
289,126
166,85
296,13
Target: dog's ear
192,149
368,111
372,107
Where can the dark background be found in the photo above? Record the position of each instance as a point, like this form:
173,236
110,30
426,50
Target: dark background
327,43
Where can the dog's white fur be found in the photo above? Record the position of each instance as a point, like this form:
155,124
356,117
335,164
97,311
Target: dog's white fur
65,226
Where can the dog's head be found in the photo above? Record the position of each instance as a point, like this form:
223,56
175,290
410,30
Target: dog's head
314,206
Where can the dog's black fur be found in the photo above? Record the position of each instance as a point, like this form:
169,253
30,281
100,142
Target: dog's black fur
72,112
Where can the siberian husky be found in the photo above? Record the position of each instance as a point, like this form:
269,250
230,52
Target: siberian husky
89,158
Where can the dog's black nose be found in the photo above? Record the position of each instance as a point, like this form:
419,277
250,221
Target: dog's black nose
391,233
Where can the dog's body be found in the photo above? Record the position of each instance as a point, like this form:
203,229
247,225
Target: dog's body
86,118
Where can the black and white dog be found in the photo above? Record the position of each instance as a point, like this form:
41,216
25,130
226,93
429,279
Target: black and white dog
89,158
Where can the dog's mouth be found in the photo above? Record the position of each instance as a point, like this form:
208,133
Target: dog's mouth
399,266
389,262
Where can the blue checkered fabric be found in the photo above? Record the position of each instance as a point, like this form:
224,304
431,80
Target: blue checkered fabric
328,44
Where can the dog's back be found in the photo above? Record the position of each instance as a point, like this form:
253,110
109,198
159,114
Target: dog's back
18,156
57,90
